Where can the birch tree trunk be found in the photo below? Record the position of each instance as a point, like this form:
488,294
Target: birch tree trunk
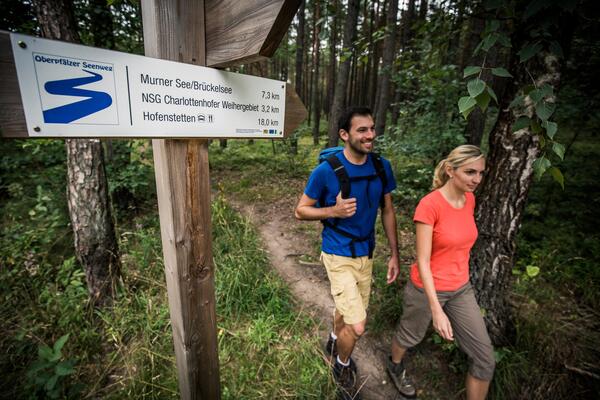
501,202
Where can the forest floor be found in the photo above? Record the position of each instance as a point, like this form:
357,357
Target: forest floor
293,249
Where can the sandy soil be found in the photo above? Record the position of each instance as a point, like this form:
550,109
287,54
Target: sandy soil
287,243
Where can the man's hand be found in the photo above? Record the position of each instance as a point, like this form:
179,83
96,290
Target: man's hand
393,269
344,208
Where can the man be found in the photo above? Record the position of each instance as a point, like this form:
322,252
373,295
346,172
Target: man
348,236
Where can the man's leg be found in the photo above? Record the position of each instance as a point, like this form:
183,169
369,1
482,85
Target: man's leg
347,338
338,322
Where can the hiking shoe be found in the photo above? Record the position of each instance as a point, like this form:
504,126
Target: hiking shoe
401,380
346,381
330,347
331,350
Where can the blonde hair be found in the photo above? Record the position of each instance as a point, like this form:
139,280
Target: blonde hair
459,156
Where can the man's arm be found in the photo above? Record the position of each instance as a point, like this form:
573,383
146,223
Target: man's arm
307,210
388,219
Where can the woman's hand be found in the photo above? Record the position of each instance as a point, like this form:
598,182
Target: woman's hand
442,325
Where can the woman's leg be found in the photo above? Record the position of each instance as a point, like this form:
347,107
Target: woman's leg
476,388
472,338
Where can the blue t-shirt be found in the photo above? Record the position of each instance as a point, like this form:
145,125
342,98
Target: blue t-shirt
323,185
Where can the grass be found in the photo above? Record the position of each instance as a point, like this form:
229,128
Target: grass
268,346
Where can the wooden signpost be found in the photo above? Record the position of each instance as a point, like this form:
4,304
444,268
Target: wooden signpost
215,33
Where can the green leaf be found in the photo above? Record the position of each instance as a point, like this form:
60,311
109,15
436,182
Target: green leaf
558,176
504,40
475,87
536,95
544,110
492,93
45,352
51,382
521,123
489,41
542,141
60,343
466,105
483,100
471,70
540,166
559,150
64,368
501,72
518,101
478,48
551,128
547,90
532,271
494,25
528,51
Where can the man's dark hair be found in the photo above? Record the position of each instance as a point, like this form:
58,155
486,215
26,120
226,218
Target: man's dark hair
346,117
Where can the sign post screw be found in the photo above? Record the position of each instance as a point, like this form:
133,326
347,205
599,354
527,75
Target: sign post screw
36,128
22,44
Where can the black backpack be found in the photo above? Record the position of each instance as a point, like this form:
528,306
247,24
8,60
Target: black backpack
329,155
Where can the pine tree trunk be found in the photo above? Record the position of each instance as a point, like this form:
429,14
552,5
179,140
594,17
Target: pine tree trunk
342,82
316,97
91,220
87,190
373,61
299,64
389,49
423,10
333,38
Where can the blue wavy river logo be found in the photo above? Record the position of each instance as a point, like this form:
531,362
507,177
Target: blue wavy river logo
95,101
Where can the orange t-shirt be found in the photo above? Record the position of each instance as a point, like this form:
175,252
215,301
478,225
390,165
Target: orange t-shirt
454,233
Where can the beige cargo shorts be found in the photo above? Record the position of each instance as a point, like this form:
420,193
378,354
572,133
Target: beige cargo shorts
350,280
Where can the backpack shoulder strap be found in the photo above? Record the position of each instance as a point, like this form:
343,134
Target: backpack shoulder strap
341,174
380,170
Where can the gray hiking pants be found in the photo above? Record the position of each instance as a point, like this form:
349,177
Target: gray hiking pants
465,317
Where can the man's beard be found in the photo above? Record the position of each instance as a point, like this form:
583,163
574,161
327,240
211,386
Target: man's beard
355,145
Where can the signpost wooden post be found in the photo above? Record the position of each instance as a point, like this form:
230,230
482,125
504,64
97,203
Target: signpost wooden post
209,32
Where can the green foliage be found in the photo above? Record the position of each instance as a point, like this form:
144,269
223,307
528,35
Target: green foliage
260,320
127,351
535,105
130,174
48,374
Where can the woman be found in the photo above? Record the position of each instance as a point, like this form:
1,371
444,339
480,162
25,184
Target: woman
439,287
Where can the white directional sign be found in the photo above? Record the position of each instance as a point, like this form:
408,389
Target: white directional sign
71,90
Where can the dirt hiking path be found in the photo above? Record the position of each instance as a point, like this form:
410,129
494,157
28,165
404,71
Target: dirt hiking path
286,241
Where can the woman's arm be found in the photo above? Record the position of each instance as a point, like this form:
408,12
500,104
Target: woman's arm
424,242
